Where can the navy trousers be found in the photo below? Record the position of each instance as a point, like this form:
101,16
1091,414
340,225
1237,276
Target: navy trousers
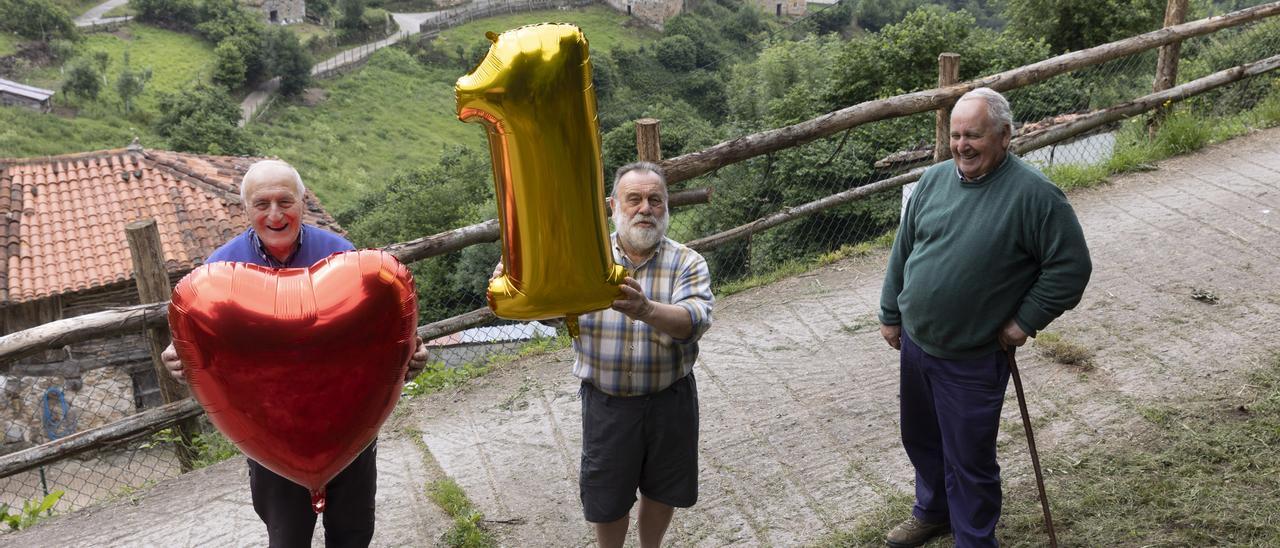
950,416
285,507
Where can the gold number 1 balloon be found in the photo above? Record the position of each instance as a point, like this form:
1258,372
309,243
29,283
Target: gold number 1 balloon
534,96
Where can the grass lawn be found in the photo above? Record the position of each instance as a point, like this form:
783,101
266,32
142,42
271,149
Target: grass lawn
390,115
8,43
25,133
602,26
175,59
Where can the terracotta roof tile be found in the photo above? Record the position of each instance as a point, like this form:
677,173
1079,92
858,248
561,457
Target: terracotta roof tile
64,216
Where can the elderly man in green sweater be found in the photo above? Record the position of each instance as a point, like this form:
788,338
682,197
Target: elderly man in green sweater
988,253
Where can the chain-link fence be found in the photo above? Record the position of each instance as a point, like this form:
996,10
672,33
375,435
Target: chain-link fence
79,388
40,408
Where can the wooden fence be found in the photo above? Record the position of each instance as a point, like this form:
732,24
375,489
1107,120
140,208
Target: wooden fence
133,319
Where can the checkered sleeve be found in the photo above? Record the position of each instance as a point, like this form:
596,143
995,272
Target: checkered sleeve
692,292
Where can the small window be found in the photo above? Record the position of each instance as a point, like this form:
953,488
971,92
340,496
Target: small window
779,9
275,16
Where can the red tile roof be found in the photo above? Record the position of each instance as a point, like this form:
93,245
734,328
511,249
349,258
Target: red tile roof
63,229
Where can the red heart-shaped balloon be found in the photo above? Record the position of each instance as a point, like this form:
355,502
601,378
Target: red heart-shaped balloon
299,367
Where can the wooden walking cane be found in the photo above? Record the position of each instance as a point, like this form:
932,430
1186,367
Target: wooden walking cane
1031,444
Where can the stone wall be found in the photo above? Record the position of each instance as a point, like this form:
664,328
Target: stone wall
653,12
794,8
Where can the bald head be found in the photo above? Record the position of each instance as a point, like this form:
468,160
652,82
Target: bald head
269,171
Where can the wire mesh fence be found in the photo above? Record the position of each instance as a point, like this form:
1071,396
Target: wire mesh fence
97,383
41,408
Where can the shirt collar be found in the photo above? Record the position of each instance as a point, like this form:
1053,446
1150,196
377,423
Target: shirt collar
622,253
270,259
979,178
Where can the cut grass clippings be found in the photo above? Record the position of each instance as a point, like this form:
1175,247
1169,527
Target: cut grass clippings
1202,473
1064,351
466,531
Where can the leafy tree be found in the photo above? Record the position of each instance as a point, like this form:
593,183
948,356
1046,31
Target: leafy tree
102,60
174,14
252,49
223,19
836,18
130,84
82,80
203,119
677,53
352,20
1071,25
228,65
604,75
874,15
320,8
288,60
36,19
425,201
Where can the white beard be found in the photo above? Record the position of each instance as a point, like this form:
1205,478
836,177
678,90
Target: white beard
640,239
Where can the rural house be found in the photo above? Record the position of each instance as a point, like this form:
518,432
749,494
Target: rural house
22,95
63,253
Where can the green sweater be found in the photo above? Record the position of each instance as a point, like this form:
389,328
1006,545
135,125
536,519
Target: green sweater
971,255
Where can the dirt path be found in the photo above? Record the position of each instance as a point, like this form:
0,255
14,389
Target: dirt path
798,392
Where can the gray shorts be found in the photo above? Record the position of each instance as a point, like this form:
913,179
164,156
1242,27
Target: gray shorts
648,443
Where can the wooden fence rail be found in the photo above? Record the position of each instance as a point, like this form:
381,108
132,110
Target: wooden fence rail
133,319
704,161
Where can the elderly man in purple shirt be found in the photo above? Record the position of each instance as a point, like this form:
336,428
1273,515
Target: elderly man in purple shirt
272,193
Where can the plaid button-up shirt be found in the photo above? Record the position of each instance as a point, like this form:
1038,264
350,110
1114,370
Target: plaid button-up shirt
623,357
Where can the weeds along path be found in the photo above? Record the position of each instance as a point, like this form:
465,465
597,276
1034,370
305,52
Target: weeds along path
799,392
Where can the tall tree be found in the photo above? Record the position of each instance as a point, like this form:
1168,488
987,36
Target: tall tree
82,80
1071,25
131,83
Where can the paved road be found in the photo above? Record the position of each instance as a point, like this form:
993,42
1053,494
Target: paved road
94,15
408,23
799,428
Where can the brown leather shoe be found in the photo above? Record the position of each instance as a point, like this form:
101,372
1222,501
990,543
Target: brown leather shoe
913,532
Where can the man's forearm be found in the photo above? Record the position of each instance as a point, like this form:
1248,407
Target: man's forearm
670,319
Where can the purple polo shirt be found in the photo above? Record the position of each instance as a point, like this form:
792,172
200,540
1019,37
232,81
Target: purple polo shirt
314,243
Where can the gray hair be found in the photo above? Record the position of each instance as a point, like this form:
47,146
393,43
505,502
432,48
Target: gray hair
998,110
265,165
639,166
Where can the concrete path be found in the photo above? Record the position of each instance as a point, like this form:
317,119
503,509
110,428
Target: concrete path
94,15
798,391
409,24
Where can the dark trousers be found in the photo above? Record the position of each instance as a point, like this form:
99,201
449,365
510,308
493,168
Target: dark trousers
950,417
285,507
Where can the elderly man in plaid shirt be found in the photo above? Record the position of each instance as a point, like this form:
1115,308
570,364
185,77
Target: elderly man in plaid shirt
639,399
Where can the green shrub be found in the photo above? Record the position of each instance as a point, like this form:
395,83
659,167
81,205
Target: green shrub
203,119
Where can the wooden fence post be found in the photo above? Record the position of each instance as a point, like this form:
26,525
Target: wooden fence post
948,75
1175,13
153,286
648,143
